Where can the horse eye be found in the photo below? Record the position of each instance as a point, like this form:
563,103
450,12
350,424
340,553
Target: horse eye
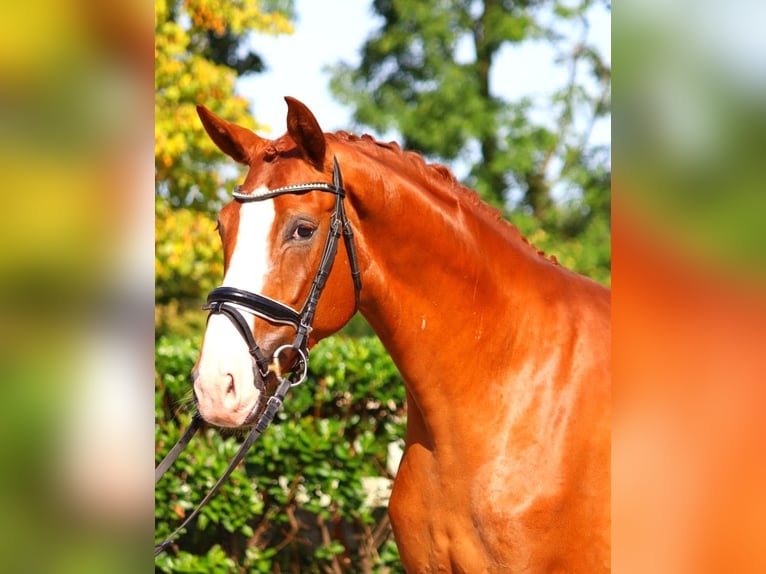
303,231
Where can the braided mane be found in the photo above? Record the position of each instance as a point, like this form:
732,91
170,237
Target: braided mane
437,174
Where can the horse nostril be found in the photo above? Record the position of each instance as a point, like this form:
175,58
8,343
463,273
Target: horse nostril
230,388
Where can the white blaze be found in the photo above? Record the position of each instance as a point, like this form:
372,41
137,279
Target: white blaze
250,263
224,358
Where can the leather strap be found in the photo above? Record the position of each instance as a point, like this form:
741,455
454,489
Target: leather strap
171,457
273,405
260,305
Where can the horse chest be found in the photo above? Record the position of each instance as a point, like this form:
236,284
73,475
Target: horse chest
432,528
453,522
471,523
518,502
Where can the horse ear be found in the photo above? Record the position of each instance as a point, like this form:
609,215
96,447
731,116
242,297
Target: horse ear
235,141
305,131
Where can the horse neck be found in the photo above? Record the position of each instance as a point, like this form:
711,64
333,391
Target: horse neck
442,274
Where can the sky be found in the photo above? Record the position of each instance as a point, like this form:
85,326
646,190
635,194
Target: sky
297,65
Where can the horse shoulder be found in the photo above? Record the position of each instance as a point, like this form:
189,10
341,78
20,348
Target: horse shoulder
541,485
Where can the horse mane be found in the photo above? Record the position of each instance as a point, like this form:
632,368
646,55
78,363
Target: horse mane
437,174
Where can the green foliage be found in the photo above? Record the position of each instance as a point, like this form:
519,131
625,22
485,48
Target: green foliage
187,265
188,261
426,72
200,50
298,502
577,232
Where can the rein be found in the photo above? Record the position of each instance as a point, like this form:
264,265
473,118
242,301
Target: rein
230,300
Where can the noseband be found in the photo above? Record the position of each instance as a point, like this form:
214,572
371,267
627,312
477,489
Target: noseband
229,301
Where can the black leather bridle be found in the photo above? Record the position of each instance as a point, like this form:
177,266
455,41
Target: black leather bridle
229,301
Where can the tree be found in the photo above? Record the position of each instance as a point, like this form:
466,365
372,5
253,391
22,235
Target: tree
415,78
200,51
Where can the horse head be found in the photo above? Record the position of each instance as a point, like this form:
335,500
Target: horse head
279,238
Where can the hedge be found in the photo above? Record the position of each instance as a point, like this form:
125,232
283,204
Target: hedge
303,501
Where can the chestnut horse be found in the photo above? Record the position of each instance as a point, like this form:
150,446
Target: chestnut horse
505,354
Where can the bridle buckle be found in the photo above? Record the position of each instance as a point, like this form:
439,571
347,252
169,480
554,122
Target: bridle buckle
276,365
